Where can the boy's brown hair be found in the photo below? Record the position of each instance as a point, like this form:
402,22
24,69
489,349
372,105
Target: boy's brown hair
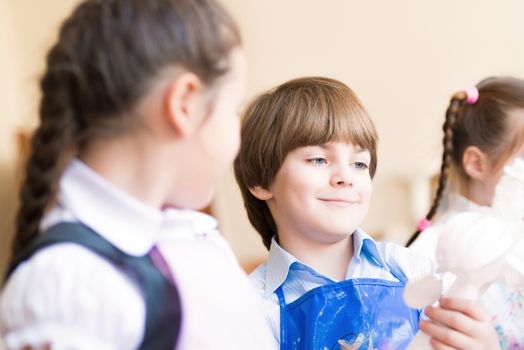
307,111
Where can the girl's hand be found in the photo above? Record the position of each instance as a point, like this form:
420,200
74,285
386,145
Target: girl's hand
459,324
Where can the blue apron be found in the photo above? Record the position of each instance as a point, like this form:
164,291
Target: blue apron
362,313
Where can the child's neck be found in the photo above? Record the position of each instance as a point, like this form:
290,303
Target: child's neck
477,192
328,259
130,165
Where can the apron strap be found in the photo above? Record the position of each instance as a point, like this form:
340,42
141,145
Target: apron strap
281,297
397,272
282,308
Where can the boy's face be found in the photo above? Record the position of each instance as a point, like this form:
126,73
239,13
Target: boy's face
321,193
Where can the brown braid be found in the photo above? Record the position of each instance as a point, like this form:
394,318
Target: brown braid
55,135
453,112
108,54
491,124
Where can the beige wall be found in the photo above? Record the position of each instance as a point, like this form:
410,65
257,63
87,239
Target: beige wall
10,110
403,58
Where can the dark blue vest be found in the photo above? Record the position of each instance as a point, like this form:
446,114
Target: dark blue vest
162,301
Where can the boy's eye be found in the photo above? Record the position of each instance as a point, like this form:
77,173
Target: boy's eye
360,165
317,161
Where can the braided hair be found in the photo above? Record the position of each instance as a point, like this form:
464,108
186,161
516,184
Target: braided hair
107,55
452,114
485,124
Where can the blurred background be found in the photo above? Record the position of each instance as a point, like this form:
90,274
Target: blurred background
404,59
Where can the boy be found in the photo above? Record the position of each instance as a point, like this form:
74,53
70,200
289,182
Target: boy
307,157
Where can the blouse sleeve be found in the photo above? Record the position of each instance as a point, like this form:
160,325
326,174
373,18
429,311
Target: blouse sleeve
515,260
70,298
426,243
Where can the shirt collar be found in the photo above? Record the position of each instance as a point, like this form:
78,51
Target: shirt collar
459,203
364,245
279,261
277,267
126,222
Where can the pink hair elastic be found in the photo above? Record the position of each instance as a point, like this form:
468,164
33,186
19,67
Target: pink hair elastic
423,224
472,94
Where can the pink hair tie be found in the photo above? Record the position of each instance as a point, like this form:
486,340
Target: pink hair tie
423,224
472,94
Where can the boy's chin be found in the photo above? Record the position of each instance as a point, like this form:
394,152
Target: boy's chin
336,237
343,230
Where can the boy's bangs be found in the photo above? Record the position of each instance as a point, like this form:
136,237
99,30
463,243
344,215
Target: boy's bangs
350,127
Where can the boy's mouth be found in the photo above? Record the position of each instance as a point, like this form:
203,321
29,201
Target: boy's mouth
341,201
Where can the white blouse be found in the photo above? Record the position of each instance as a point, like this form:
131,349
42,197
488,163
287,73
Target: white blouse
70,298
505,304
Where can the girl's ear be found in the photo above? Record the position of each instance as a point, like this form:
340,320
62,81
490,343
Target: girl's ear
261,193
183,103
475,163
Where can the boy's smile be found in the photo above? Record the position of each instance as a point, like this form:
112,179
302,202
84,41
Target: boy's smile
321,193
341,202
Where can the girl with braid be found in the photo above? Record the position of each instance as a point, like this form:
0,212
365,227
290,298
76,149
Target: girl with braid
138,119
483,131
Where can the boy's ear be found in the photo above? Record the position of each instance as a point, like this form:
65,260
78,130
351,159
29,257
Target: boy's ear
475,163
182,101
261,193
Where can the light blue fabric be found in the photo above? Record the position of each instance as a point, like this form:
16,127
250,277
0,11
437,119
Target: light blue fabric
370,260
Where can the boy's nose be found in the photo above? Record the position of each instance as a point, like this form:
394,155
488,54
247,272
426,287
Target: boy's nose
342,177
